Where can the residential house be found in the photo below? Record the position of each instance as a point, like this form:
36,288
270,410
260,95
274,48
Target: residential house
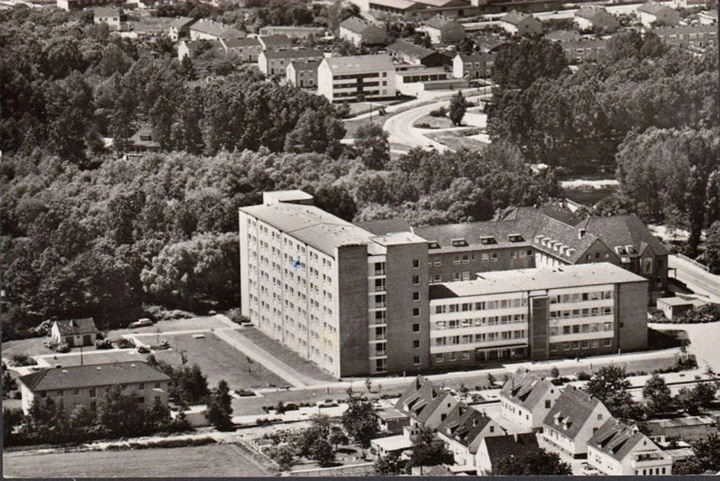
708,17
398,8
689,36
86,385
572,421
192,48
687,429
359,32
75,332
275,42
473,66
517,23
584,50
449,8
488,43
407,52
143,140
616,449
595,19
293,31
246,50
425,404
302,73
654,14
463,430
443,30
180,28
275,62
206,30
356,78
413,80
112,16
494,449
525,399
391,445
391,420
80,4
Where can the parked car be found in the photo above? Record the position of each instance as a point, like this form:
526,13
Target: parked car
588,470
142,322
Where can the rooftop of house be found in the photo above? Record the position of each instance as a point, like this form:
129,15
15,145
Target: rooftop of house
355,24
385,226
393,443
106,12
680,301
618,440
439,21
275,41
623,230
584,43
232,32
291,28
360,64
444,3
92,376
180,22
408,48
421,399
77,327
524,280
526,389
656,426
421,70
562,35
518,445
291,53
390,414
488,43
571,411
464,424
208,27
313,226
241,42
476,57
398,4
472,236
516,17
653,8
305,65
660,31
590,12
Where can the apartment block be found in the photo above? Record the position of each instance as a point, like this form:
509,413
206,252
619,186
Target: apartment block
356,78
578,310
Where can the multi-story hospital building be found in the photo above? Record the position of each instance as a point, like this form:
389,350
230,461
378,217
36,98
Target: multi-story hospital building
382,298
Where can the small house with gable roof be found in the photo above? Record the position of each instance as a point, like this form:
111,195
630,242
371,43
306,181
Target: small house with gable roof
75,332
525,399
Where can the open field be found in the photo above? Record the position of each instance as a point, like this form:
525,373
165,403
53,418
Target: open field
206,461
218,360
32,347
303,366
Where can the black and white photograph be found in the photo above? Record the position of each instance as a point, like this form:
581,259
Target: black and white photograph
359,238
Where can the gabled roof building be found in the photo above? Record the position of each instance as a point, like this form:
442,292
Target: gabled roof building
525,399
359,32
75,332
494,449
463,430
617,449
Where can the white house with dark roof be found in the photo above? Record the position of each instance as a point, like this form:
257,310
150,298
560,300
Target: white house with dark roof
525,399
247,50
275,62
114,17
359,32
443,30
463,430
302,73
652,14
572,421
473,66
593,18
75,332
517,23
494,449
354,78
180,28
86,385
426,404
616,449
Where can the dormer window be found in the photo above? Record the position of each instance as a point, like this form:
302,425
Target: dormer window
433,245
620,250
487,240
459,243
631,249
515,238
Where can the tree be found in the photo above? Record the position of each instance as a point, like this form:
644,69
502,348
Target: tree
429,451
390,465
712,248
707,457
319,429
120,413
610,386
458,106
285,457
657,395
8,382
12,418
520,63
336,200
359,421
534,463
372,146
220,409
322,452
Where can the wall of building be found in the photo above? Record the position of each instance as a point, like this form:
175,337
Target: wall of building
352,307
631,309
463,265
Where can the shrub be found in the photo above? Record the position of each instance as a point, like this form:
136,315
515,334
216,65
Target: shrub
103,344
702,314
125,343
441,112
583,376
22,359
423,125
143,350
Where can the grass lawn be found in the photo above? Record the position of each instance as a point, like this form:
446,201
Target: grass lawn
218,360
457,140
303,366
204,461
430,122
32,347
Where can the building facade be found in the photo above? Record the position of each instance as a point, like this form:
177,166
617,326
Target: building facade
275,62
443,30
75,332
292,31
517,23
303,73
689,36
525,399
473,66
358,32
356,78
86,385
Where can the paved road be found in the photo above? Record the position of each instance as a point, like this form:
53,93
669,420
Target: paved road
696,278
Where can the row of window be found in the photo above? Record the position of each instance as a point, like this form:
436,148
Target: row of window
92,392
577,345
581,297
479,321
586,312
481,305
491,354
581,328
480,337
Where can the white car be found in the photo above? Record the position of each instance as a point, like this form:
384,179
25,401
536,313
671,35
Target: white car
142,322
588,470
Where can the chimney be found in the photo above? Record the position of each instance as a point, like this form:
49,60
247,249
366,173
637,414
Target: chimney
515,437
581,233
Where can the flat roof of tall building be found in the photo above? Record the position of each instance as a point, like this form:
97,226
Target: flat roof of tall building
313,226
500,282
360,64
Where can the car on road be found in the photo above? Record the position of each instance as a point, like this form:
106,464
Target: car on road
588,470
142,322
328,403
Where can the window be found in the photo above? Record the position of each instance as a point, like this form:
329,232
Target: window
416,263
76,391
416,344
141,386
93,405
416,328
416,296
416,311
416,359
453,356
439,358
416,280
547,404
92,392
